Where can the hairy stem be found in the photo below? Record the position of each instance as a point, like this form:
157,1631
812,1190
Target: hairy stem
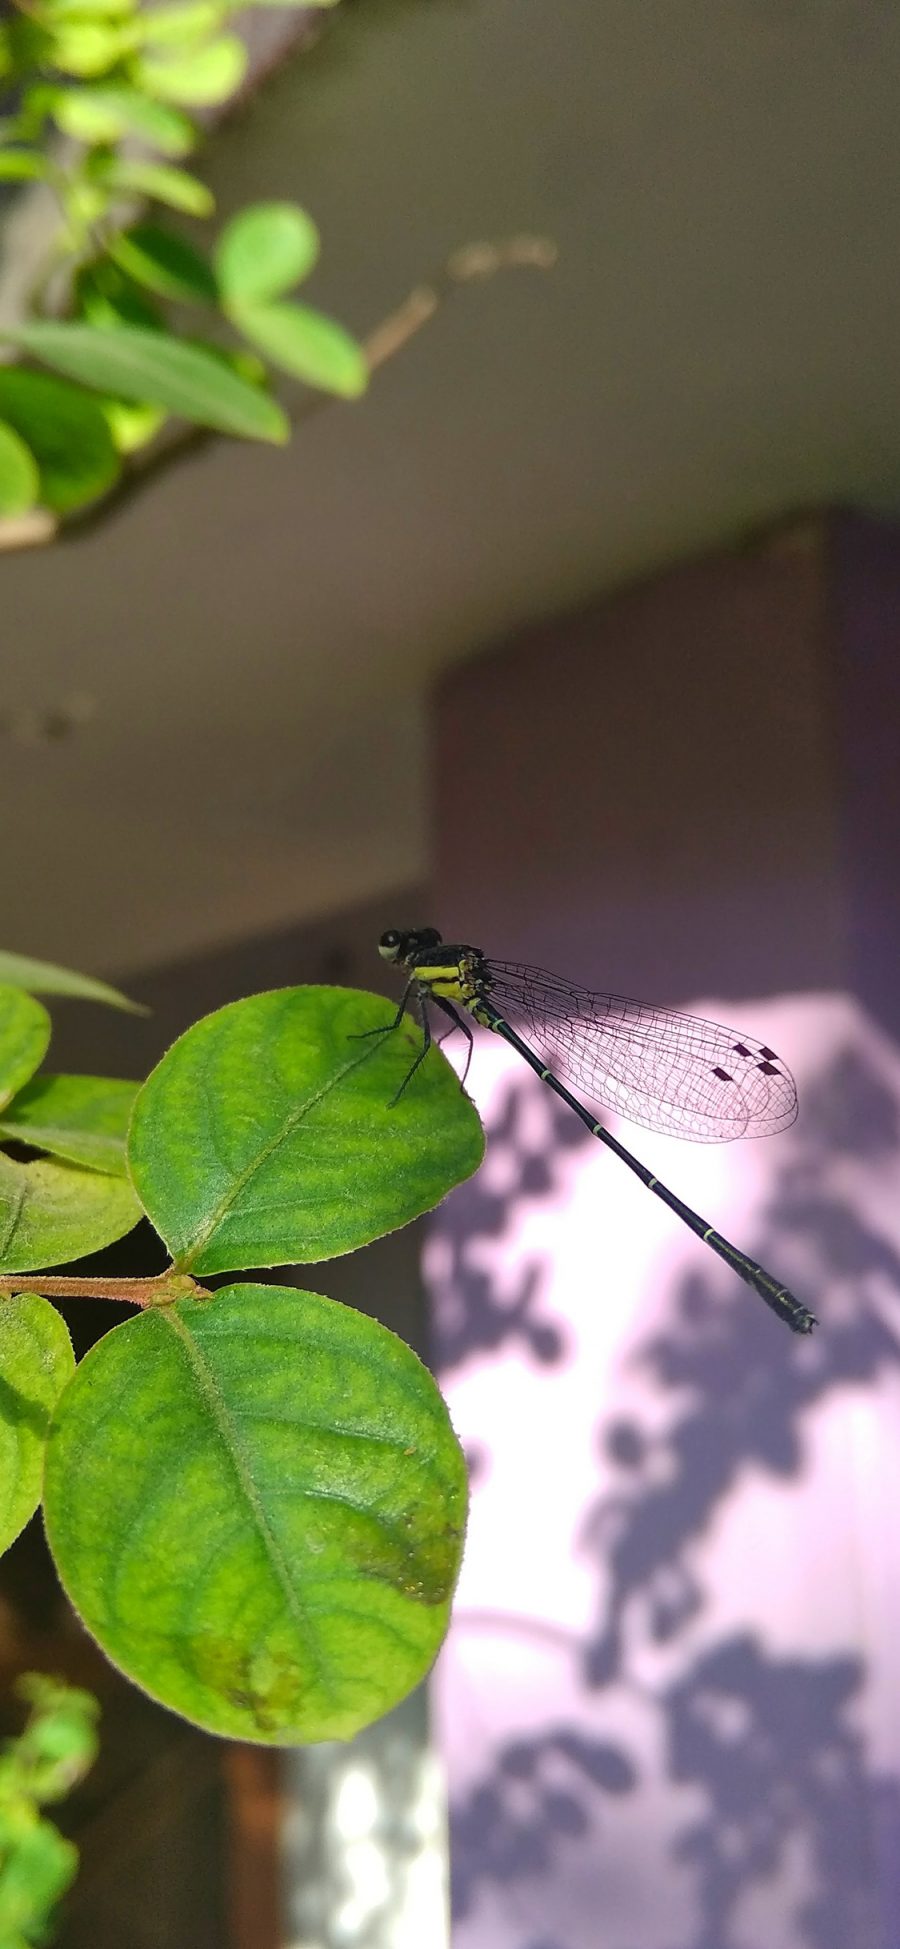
158,1291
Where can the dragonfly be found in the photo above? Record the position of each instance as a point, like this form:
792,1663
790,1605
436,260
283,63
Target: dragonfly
670,1072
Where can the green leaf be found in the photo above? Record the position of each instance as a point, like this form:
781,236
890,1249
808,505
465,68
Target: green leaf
100,115
164,263
238,357
265,251
105,296
67,433
86,203
36,1361
256,1503
306,344
27,43
51,1213
39,1865
19,477
59,1742
178,26
87,48
131,426
24,1039
45,978
81,1118
198,79
175,187
268,1134
58,10
22,165
153,368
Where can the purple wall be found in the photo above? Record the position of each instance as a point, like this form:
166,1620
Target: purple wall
669,1702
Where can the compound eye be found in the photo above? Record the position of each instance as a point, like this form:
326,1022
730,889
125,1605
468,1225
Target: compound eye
391,945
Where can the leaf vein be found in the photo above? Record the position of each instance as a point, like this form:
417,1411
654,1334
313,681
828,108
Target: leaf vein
243,1178
211,1396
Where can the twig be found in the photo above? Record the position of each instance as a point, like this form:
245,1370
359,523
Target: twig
161,1290
474,263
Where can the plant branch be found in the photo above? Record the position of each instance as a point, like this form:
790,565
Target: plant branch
473,264
158,1291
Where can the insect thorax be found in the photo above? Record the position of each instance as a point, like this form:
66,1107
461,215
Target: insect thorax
456,974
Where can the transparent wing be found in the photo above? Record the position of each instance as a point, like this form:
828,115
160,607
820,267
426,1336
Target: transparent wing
675,1073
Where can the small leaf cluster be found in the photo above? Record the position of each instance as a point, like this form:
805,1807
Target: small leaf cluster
253,1496
104,90
56,1749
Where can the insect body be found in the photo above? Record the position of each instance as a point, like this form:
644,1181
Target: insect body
666,1071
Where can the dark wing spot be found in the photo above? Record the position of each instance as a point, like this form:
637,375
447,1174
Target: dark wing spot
768,1068
723,1075
740,1050
770,1055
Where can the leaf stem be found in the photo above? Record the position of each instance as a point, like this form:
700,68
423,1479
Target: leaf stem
162,1290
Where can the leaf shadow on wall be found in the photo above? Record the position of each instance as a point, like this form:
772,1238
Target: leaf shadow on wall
768,1742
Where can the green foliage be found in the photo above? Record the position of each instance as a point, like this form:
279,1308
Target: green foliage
182,25
44,978
164,264
81,1118
307,345
22,165
24,1035
261,254
254,1497
51,1212
175,187
200,77
19,477
157,369
275,1557
57,1748
36,1361
264,252
234,1176
99,116
120,79
66,432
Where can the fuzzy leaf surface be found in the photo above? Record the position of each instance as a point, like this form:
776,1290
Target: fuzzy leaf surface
268,1134
36,1362
24,1038
81,1118
51,1213
256,1503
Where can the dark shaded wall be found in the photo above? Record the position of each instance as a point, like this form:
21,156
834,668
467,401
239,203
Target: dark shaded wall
646,793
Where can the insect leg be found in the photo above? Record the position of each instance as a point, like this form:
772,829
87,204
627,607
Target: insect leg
385,1028
457,1022
420,1007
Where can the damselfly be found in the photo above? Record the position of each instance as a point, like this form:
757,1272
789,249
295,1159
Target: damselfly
669,1072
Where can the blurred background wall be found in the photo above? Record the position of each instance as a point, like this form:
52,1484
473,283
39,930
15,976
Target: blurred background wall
669,1696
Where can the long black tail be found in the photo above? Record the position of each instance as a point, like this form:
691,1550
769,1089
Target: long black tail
782,1302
